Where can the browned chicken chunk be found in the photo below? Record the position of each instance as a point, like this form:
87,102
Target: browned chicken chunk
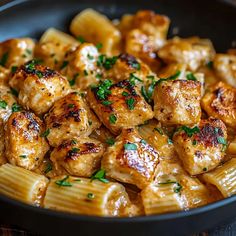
201,148
68,118
131,159
119,105
24,141
78,157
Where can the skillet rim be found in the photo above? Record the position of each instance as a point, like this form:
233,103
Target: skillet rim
6,4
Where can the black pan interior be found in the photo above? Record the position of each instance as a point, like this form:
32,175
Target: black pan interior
205,18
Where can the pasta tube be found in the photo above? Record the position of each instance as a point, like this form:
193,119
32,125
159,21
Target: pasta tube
22,184
86,196
224,178
96,28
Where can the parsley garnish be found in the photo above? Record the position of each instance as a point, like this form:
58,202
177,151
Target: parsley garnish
194,142
71,105
221,140
210,65
45,133
190,131
14,69
90,57
159,130
90,122
106,62
85,72
28,51
178,187
125,94
103,89
110,141
15,107
4,58
99,46
100,175
3,104
130,103
23,156
64,64
48,168
136,65
72,82
172,77
75,150
112,119
90,195
106,103
63,182
190,76
98,76
169,141
130,146
81,39
14,92
143,141
73,141
133,79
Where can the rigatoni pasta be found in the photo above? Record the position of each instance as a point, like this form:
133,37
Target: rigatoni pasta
22,184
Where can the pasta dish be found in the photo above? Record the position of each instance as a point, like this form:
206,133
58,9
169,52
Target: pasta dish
116,119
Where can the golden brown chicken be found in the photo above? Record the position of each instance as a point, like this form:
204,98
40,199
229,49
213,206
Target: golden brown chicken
70,117
193,52
177,101
15,52
24,140
131,159
201,148
39,87
119,105
220,102
78,157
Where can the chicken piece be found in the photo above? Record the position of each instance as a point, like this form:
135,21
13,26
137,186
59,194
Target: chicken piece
125,66
15,52
78,157
7,103
193,52
119,105
68,118
131,159
177,102
3,159
39,86
202,147
24,141
155,135
4,76
220,102
225,67
80,66
144,34
47,168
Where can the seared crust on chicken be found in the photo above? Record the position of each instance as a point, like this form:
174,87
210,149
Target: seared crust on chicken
119,105
131,159
68,118
39,86
17,51
25,146
202,147
193,52
78,157
220,102
178,102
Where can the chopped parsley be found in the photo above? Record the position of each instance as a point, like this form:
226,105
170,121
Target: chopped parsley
85,73
136,65
72,82
23,156
159,130
48,168
14,69
39,73
133,79
172,77
63,182
90,196
130,146
71,105
75,150
90,122
103,89
190,131
99,46
125,94
190,76
78,180
45,133
210,65
106,103
177,188
14,92
15,107
221,140
110,141
143,141
64,65
98,76
3,104
130,103
169,141
194,142
28,51
106,62
81,39
90,57
73,141
112,119
4,59
100,175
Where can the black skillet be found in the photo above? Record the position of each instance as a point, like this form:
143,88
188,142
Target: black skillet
205,18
